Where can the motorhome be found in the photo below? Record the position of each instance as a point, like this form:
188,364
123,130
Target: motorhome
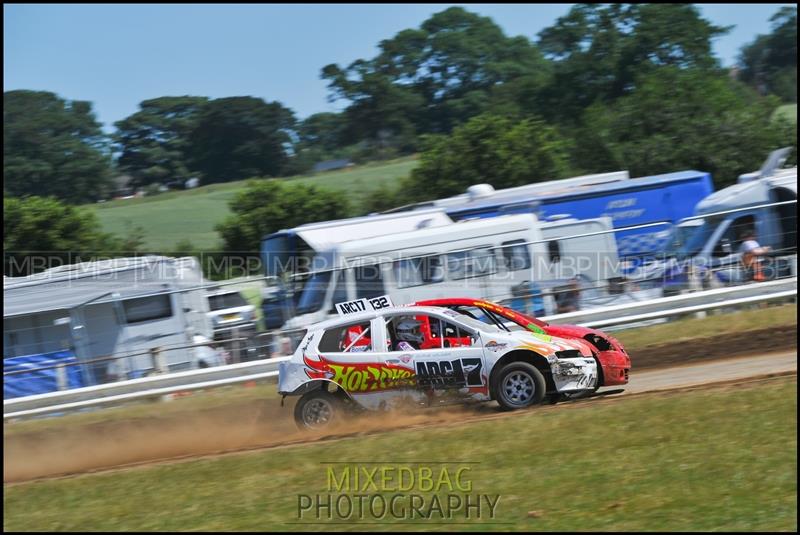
289,256
89,311
708,242
485,258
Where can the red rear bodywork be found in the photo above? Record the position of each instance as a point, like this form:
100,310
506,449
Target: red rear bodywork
611,357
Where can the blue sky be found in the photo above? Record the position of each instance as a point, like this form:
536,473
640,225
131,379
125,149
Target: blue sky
118,55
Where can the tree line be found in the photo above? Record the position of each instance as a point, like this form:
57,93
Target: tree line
606,87
584,76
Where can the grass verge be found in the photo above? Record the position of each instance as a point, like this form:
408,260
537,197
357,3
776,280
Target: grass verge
718,459
688,329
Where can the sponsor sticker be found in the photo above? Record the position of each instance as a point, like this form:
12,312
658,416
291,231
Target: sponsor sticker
494,346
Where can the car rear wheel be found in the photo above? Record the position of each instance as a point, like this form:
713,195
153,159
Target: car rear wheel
317,410
518,385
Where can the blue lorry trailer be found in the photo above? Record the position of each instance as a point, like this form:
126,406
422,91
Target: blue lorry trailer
664,199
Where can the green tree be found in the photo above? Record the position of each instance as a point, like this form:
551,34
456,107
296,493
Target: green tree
38,231
53,147
267,206
239,137
321,136
382,113
385,198
769,63
153,142
323,131
489,149
599,51
683,119
428,80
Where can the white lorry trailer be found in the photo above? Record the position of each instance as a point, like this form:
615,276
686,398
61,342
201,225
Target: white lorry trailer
89,311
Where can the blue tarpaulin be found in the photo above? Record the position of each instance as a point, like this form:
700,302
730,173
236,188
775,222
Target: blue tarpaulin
39,381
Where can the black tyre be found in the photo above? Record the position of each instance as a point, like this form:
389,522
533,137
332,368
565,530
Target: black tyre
518,385
317,410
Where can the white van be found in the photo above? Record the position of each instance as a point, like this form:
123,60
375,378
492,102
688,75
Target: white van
764,202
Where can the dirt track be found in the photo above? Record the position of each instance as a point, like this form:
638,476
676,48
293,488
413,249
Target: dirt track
267,424
759,341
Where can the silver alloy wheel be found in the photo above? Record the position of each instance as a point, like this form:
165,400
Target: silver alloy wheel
317,413
518,388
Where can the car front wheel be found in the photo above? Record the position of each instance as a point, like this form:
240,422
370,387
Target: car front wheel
518,385
317,410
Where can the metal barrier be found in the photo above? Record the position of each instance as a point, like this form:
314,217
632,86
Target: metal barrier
147,387
666,306
159,385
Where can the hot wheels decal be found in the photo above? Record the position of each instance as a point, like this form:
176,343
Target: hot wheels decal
360,377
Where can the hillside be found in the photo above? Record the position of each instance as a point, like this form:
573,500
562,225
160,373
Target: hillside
180,215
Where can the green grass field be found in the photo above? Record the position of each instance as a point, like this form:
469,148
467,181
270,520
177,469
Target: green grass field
171,217
724,458
684,330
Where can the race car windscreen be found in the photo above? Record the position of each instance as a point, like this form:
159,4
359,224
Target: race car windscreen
485,316
474,323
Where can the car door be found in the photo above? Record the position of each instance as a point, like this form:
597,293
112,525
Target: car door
343,352
447,357
347,355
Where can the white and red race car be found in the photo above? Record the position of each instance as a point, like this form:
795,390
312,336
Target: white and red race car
376,356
